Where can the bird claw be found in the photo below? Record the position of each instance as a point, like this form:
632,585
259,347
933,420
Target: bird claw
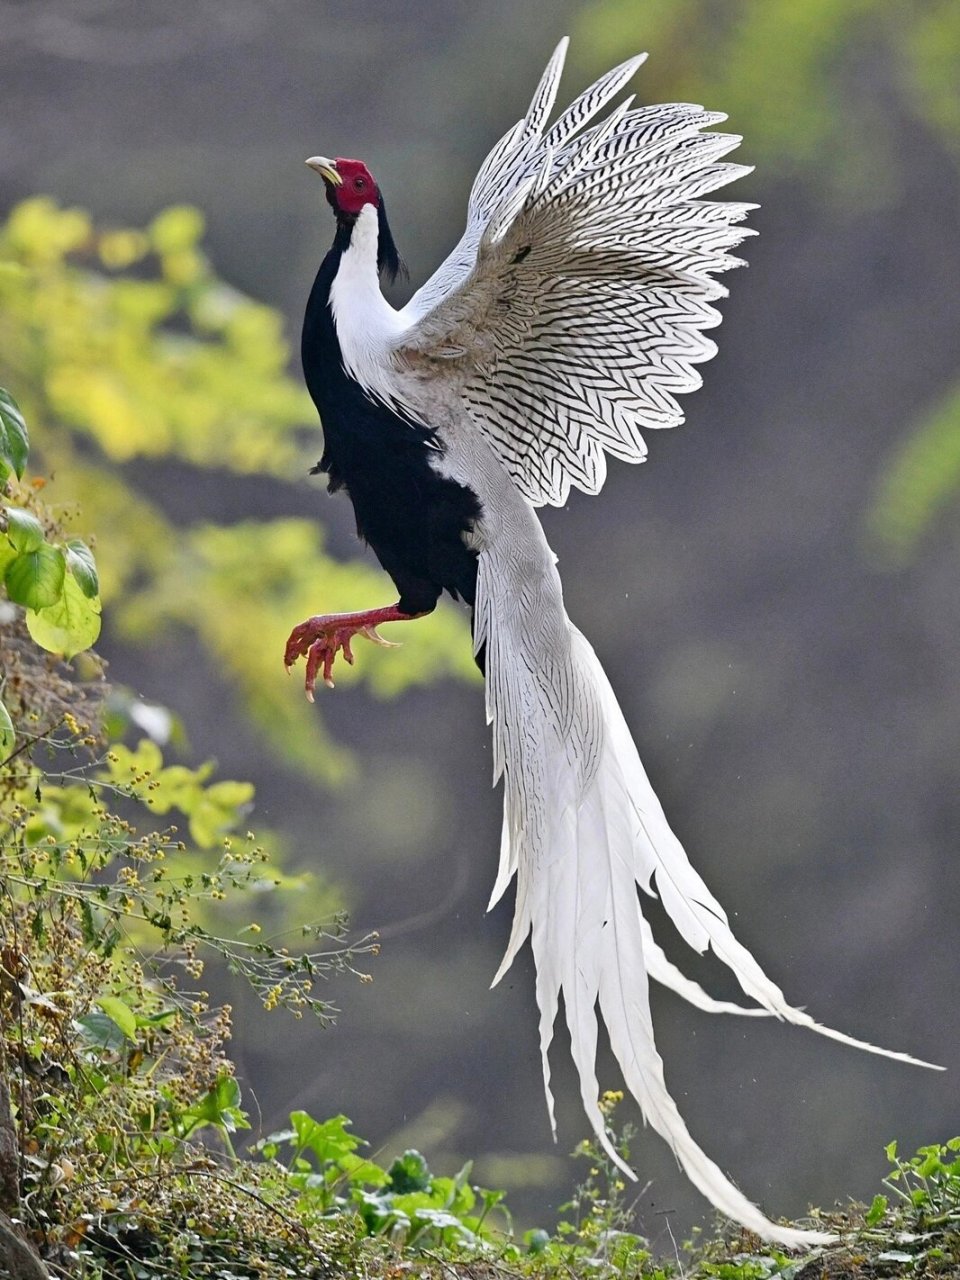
374,636
321,639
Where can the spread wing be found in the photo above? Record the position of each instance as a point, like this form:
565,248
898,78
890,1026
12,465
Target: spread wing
572,312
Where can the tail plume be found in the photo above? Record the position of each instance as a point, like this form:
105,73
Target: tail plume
582,830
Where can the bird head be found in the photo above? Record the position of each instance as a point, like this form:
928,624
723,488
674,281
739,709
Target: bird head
349,184
350,188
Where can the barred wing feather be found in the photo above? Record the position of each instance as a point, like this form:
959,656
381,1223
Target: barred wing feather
510,161
573,310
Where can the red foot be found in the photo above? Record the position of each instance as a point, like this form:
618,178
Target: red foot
320,639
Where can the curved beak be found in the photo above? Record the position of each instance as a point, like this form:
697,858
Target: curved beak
326,170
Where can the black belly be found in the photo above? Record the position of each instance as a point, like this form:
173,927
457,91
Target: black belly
414,519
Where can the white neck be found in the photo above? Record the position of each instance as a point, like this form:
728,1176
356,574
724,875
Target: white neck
367,326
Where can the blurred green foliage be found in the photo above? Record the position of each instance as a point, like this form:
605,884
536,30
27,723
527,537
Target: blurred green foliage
123,344
917,483
792,77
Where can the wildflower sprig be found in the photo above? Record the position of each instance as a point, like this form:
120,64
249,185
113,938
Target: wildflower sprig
64,843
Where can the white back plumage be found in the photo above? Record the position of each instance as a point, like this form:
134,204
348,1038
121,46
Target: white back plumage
565,322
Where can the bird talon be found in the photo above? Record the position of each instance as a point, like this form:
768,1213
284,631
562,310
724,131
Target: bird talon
321,639
374,636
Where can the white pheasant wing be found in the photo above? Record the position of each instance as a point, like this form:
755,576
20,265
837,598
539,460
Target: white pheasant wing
572,312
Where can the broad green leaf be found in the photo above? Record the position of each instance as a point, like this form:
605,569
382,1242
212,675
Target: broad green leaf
217,811
219,1106
441,1219
122,763
7,553
357,1169
35,579
876,1211
177,788
454,1193
410,1172
14,439
100,1030
230,795
82,565
69,625
121,1014
24,529
8,735
328,1140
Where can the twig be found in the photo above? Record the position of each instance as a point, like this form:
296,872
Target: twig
31,741
676,1252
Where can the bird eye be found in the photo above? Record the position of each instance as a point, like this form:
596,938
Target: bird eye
358,184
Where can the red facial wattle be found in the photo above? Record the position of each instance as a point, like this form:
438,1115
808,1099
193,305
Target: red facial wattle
358,187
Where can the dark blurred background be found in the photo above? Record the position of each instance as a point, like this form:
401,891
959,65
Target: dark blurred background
774,594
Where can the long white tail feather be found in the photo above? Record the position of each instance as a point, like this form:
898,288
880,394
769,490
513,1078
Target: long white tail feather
582,829
667,974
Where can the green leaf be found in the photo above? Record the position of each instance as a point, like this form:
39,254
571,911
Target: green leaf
101,1031
217,811
35,579
536,1240
329,1140
275,1138
876,1211
82,565
121,1014
357,1169
14,439
7,553
8,735
441,1220
88,925
69,625
410,1172
24,529
219,1106
156,1019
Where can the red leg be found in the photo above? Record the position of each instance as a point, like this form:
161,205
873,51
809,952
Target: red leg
320,639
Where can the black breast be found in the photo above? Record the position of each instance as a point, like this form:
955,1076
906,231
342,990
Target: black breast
412,517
